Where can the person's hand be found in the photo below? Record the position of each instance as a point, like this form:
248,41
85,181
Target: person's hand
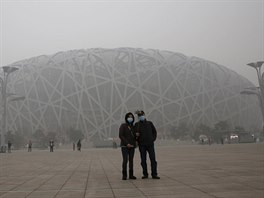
130,145
137,134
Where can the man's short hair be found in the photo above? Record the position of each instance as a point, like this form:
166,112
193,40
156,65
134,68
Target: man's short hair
140,112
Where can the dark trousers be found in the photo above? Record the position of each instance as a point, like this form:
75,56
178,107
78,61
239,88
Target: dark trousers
128,156
143,155
9,149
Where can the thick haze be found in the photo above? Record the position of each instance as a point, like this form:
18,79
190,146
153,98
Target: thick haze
229,33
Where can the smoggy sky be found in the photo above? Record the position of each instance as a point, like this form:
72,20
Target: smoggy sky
228,32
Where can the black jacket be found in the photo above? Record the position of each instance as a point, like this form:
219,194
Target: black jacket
147,132
126,133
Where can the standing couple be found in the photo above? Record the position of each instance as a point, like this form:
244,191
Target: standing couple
143,133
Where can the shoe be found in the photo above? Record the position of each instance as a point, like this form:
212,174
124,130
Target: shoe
132,177
155,177
144,177
124,178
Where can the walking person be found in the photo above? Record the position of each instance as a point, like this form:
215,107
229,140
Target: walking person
146,135
128,144
79,145
9,144
51,144
29,146
73,146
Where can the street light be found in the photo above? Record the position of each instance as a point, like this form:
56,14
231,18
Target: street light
7,70
259,91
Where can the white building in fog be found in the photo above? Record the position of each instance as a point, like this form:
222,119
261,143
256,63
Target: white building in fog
92,89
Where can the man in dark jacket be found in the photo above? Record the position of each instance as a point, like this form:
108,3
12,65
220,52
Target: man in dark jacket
146,135
128,144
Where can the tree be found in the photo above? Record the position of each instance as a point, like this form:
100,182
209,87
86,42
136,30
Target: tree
179,132
10,136
222,126
74,134
19,140
239,129
40,139
221,129
202,129
51,136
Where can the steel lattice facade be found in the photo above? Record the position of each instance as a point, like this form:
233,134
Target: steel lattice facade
92,90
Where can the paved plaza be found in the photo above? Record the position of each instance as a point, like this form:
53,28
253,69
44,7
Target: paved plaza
193,171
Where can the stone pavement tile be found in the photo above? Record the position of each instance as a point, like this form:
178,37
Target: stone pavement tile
26,186
75,183
100,177
157,191
96,193
16,180
223,187
72,186
240,194
123,184
212,173
42,194
232,179
47,187
183,195
182,191
256,185
152,183
257,178
15,195
95,184
196,179
70,194
128,192
58,179
55,183
7,187
256,182
33,184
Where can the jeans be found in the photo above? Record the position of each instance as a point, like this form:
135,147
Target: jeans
143,155
128,156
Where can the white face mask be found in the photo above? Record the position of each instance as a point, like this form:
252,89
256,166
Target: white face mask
130,120
142,118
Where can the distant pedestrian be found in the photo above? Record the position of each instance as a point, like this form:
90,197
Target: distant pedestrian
114,144
29,146
79,145
9,144
73,146
51,145
222,140
209,141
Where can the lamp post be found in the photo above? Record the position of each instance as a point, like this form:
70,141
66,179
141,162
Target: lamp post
259,91
7,70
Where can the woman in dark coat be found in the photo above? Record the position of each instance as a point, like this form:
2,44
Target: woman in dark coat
128,144
79,145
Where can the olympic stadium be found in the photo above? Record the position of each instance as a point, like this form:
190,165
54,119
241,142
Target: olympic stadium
92,89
